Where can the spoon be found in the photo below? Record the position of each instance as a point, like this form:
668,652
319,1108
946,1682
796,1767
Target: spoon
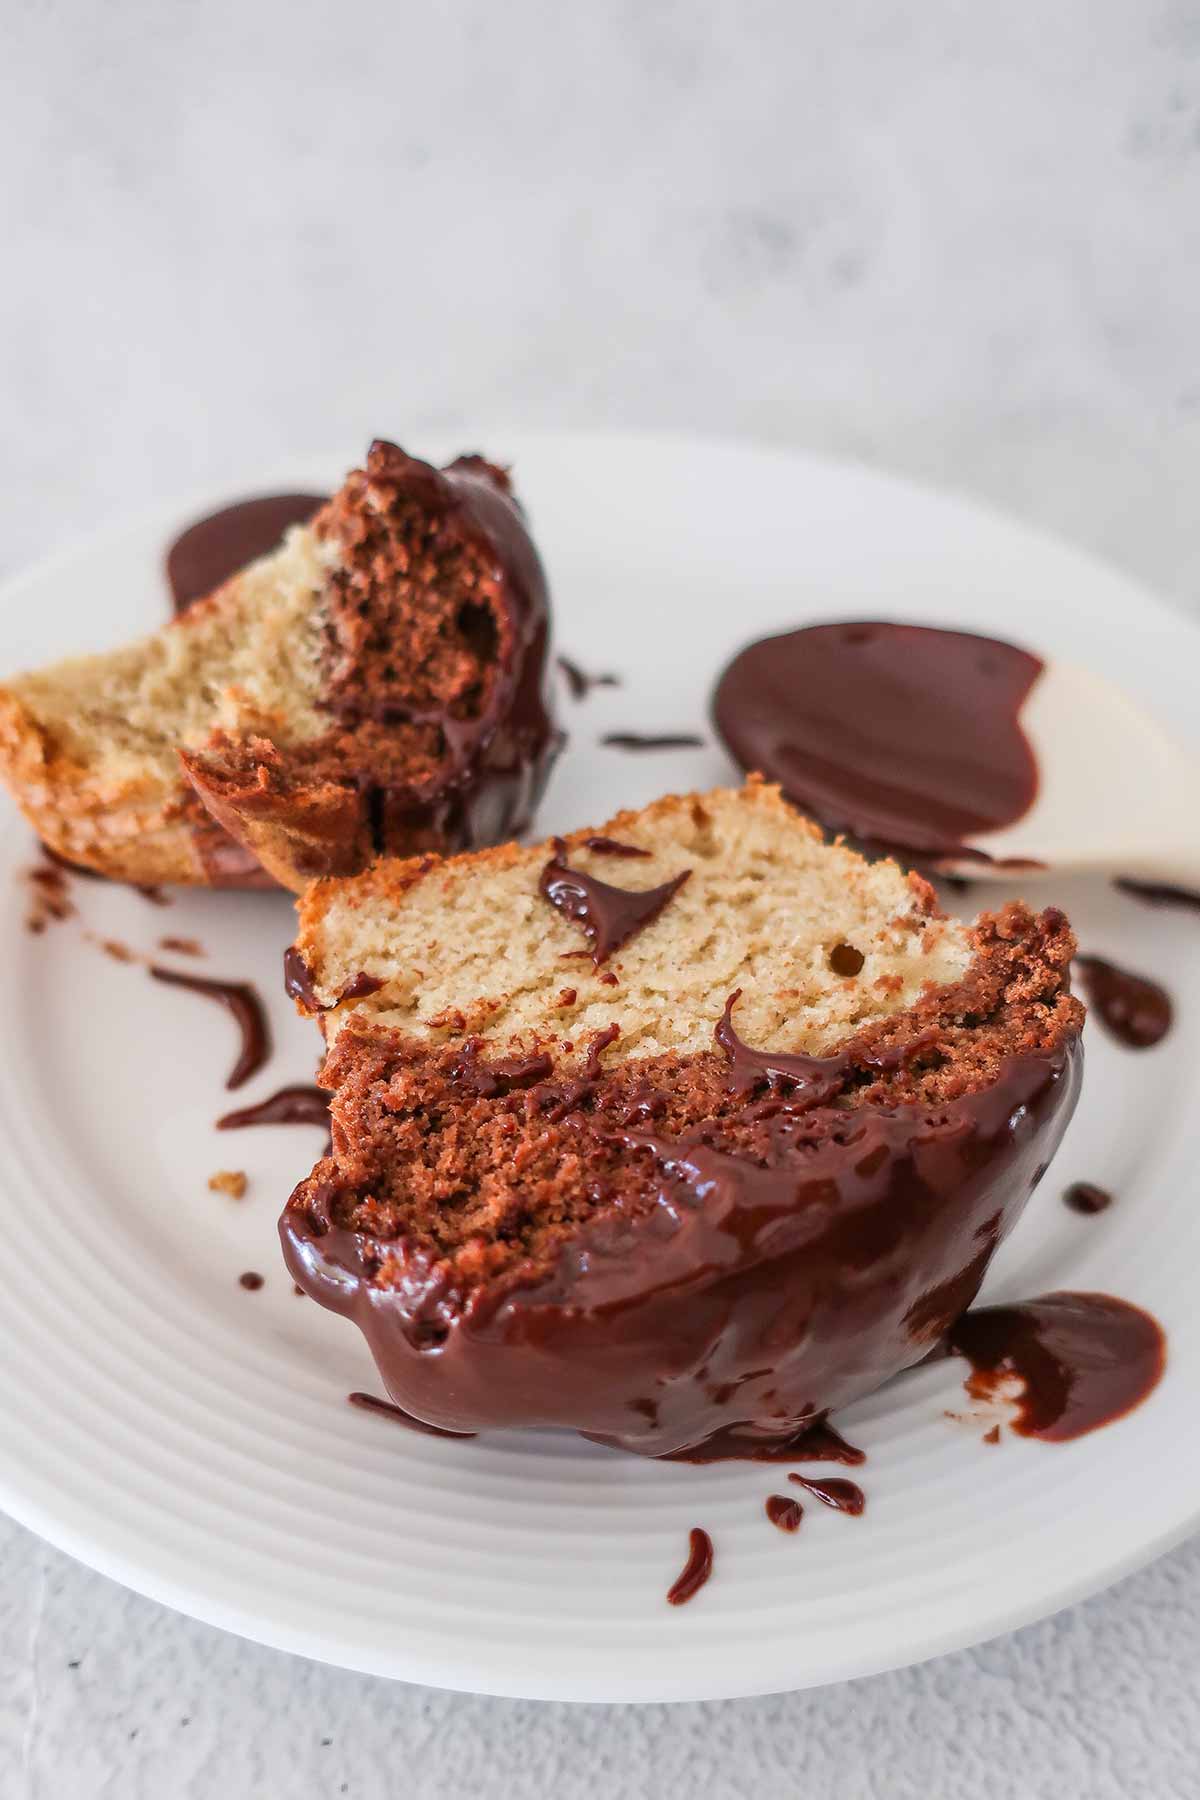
1114,792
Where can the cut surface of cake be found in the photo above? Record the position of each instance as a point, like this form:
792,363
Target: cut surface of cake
678,1132
377,684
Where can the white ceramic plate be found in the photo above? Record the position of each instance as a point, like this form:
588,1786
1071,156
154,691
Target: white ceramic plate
193,1439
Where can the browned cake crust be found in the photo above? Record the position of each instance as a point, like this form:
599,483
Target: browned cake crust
378,683
659,1249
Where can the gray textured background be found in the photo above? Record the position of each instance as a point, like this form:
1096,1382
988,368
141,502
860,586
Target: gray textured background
954,239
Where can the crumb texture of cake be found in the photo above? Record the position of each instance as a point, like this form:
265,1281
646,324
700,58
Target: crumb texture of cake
750,1180
471,947
378,683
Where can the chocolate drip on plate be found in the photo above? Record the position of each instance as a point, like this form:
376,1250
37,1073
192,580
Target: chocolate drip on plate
299,1105
1160,893
388,1410
580,683
243,1002
1086,1197
784,1512
1136,1010
834,1490
662,740
696,1570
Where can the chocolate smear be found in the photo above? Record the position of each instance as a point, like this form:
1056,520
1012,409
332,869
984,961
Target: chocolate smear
1083,1359
243,1002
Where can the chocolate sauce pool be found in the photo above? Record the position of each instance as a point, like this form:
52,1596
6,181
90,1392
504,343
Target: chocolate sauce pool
901,735
216,547
1084,1360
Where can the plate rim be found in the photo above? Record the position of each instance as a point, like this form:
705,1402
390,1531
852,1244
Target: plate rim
256,1625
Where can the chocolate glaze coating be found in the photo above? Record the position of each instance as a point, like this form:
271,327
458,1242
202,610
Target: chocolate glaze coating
502,760
751,1300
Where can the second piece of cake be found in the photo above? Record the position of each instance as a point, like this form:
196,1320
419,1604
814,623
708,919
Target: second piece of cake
377,683
677,1133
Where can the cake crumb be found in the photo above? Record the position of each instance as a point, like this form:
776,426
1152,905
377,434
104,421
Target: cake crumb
229,1181
49,899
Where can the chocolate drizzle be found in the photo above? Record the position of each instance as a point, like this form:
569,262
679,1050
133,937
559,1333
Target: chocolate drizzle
489,1079
243,1002
901,735
387,1409
1136,1010
834,1490
804,1080
696,1570
1084,1360
608,916
216,547
784,1512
